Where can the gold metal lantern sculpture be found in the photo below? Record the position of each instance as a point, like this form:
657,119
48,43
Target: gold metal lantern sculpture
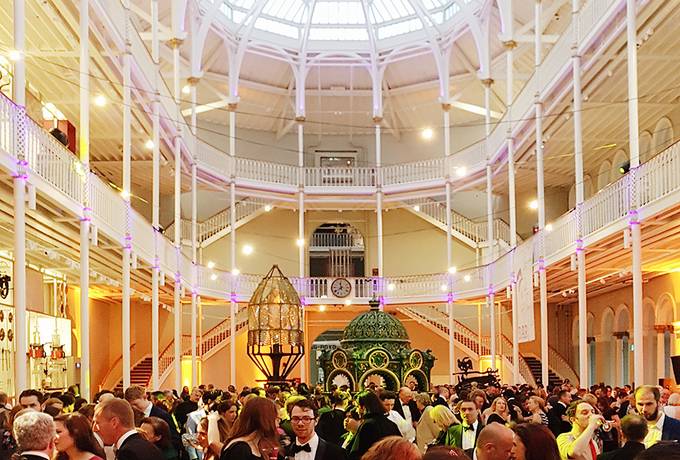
275,337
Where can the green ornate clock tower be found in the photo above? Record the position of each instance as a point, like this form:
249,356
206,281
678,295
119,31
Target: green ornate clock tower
375,348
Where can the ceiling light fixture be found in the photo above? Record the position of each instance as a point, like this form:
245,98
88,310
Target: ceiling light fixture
213,277
14,55
416,208
149,144
427,134
453,270
186,89
322,308
300,242
267,207
235,272
247,250
461,171
391,287
211,264
100,101
444,287
533,204
466,278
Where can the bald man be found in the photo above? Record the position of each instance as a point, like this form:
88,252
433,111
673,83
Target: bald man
495,442
406,406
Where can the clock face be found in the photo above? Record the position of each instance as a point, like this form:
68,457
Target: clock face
341,288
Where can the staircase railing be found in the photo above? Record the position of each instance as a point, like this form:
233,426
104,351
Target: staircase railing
464,335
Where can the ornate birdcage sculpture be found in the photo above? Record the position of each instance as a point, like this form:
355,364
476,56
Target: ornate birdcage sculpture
275,337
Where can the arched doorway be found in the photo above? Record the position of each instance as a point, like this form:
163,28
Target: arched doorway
608,373
326,341
336,250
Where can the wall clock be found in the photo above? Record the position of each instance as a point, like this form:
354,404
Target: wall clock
341,288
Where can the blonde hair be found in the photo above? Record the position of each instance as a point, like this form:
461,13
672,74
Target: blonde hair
442,416
539,401
495,401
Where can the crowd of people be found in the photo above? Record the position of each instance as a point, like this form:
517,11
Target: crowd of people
294,422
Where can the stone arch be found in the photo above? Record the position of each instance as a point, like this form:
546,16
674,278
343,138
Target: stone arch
606,369
663,136
649,338
665,309
620,159
590,325
587,191
607,322
420,378
603,174
646,150
622,318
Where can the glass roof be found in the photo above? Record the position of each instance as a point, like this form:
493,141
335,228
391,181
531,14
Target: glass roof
342,20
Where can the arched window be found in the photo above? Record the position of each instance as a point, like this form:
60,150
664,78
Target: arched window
606,344
646,150
603,174
663,136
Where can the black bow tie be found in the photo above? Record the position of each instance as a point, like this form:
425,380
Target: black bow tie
468,427
295,448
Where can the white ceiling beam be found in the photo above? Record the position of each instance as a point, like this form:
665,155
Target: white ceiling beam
146,17
545,38
546,17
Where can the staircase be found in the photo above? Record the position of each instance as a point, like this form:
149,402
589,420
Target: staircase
535,366
219,225
469,232
140,374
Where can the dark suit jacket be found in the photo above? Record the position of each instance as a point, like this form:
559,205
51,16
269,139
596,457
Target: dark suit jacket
627,452
30,457
555,422
137,448
331,426
415,413
372,429
174,433
326,451
671,429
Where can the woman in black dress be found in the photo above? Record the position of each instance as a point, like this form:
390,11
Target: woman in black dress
254,435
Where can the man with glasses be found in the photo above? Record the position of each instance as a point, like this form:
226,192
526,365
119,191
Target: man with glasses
307,445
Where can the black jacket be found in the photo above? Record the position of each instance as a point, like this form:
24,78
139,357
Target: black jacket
137,448
325,451
671,429
555,422
174,434
627,452
372,429
331,426
415,413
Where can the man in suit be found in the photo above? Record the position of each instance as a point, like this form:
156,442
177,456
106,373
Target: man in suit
34,433
331,427
558,422
465,435
661,427
114,420
406,406
495,442
634,430
136,396
308,445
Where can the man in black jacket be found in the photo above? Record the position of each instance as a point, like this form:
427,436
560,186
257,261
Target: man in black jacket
634,430
136,396
374,426
661,427
114,420
34,433
307,444
558,422
406,406
331,426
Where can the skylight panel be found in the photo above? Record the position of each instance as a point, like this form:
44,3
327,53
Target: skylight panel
277,27
434,4
451,11
399,28
388,10
338,33
338,13
290,10
247,4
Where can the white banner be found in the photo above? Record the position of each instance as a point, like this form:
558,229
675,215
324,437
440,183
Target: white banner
525,296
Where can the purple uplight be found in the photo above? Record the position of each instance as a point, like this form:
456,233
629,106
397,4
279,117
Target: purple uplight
450,297
233,297
22,162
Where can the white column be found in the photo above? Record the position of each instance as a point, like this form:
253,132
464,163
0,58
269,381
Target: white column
21,371
449,243
127,244
379,196
634,146
487,82
177,304
578,161
193,81
660,350
155,269
540,193
232,245
510,45
301,231
85,219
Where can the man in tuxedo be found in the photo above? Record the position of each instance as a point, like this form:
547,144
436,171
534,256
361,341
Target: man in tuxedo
465,435
634,429
308,445
114,420
406,406
34,433
495,442
331,424
136,396
661,427
558,422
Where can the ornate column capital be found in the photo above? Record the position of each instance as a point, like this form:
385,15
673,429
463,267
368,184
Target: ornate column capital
621,334
510,44
232,106
377,119
175,42
487,82
446,106
193,81
661,328
300,118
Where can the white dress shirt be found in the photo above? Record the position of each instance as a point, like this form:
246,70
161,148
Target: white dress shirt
313,444
655,431
407,412
469,436
405,428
